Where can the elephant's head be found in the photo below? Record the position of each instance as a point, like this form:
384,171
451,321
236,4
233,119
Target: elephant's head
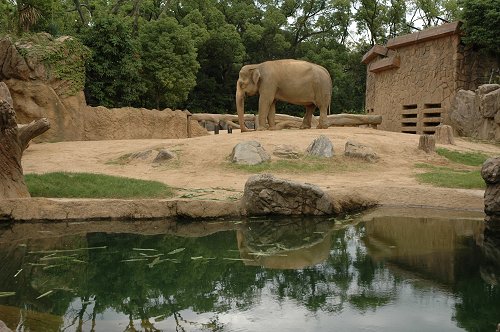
248,84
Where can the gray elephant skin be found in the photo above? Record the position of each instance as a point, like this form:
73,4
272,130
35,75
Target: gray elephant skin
292,81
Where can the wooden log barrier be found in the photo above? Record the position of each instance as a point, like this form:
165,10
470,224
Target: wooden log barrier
289,121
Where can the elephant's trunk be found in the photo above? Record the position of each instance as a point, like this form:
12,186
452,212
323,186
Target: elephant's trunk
240,108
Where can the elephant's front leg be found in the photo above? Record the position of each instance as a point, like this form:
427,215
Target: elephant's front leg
265,103
306,122
271,117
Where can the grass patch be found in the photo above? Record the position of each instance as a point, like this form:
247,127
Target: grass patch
450,178
307,164
464,172
464,158
87,185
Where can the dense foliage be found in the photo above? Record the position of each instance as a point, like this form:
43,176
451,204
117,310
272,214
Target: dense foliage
187,53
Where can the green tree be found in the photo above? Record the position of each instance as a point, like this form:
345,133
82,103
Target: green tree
482,24
220,53
7,19
169,62
113,74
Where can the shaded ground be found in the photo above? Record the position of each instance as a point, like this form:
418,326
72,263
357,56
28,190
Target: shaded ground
202,169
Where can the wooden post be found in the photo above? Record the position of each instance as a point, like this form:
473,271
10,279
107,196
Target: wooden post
427,143
188,124
444,135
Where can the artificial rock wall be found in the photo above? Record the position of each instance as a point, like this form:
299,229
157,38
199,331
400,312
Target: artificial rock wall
477,113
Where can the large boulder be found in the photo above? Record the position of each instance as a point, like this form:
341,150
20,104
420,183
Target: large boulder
321,147
265,194
249,153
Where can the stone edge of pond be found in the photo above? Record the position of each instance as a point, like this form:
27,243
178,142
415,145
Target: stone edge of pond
53,209
68,210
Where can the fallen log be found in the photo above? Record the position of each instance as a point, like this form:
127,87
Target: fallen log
229,119
353,120
288,121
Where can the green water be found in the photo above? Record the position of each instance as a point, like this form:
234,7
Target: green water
369,273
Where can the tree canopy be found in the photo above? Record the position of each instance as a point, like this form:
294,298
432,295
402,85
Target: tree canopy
187,53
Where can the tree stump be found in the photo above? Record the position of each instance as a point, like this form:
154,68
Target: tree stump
13,141
444,135
427,143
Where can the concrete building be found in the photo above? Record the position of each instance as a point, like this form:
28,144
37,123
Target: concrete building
413,79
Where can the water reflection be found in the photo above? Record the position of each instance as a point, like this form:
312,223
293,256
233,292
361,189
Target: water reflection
377,272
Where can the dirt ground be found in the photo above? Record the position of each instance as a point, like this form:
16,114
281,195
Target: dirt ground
201,169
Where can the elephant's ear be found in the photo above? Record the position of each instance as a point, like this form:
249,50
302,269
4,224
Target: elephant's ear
256,76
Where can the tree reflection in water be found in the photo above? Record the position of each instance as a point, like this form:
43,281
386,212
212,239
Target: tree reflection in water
134,282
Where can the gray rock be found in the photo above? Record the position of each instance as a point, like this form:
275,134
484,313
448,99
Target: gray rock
489,104
487,88
265,194
164,155
361,151
492,201
321,147
249,153
490,170
286,152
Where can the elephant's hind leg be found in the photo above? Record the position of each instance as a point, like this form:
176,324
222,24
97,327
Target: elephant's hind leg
306,122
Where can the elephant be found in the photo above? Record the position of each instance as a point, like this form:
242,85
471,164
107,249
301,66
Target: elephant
294,81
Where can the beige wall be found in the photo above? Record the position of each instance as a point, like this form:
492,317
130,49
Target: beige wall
415,97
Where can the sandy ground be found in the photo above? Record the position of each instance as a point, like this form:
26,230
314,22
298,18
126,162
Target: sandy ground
202,171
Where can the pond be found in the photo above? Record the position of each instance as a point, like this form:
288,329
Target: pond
380,271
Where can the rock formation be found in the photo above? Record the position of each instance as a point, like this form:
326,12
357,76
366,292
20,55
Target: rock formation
40,88
265,194
477,113
321,147
249,153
